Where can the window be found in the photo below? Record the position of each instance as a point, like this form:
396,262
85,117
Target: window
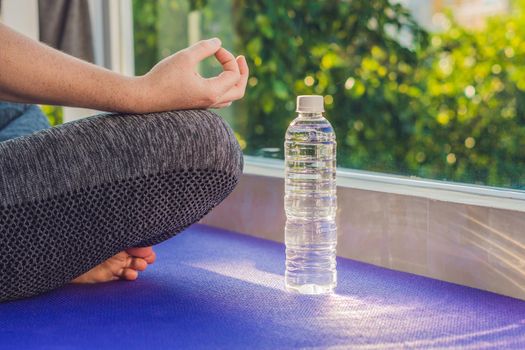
432,89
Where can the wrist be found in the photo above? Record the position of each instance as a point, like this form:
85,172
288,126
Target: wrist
134,97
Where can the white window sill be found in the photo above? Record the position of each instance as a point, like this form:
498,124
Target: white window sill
484,196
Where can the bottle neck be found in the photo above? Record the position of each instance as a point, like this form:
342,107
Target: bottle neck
310,115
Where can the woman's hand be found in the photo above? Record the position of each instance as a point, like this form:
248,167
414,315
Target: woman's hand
60,79
175,84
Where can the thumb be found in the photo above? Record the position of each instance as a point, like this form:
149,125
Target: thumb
203,49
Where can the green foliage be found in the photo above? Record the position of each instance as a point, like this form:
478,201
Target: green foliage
55,114
345,50
472,103
145,18
442,106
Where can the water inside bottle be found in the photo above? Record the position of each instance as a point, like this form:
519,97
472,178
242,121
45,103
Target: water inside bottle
310,204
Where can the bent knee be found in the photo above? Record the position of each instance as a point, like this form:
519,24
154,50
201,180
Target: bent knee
117,147
209,142
184,140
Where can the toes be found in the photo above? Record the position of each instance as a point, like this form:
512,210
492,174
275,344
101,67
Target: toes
150,259
138,264
140,252
120,266
122,256
129,274
146,253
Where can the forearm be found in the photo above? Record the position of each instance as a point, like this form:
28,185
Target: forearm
35,73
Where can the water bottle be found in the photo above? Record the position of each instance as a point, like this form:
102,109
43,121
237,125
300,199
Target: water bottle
310,200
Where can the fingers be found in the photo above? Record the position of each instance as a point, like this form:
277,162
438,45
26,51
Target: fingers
203,49
231,83
243,67
227,60
229,77
237,91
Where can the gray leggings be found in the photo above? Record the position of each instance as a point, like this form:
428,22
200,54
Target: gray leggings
74,195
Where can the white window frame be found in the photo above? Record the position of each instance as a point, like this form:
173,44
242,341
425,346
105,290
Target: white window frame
22,16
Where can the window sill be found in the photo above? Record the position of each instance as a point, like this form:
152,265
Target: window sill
483,196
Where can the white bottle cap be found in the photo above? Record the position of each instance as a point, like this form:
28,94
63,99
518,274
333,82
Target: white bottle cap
310,104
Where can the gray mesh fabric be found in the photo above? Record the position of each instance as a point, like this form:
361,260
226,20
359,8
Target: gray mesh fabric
74,195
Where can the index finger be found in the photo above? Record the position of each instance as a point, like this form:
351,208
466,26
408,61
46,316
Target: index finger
203,49
227,60
231,74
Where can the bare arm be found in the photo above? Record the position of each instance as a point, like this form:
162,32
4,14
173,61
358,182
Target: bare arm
35,73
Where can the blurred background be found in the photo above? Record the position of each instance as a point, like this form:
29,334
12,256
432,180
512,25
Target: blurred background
431,88
423,88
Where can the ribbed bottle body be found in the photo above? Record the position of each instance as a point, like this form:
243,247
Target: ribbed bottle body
310,204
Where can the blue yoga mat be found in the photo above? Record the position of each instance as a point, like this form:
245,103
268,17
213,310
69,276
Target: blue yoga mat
213,289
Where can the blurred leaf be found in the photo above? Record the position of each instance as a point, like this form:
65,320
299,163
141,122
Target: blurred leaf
280,89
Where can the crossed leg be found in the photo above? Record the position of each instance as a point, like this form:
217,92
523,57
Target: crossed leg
74,196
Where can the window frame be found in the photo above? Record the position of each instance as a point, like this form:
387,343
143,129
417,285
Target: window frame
463,193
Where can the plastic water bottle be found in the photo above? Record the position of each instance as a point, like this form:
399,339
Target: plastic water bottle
310,200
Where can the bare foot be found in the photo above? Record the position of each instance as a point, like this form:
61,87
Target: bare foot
124,265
